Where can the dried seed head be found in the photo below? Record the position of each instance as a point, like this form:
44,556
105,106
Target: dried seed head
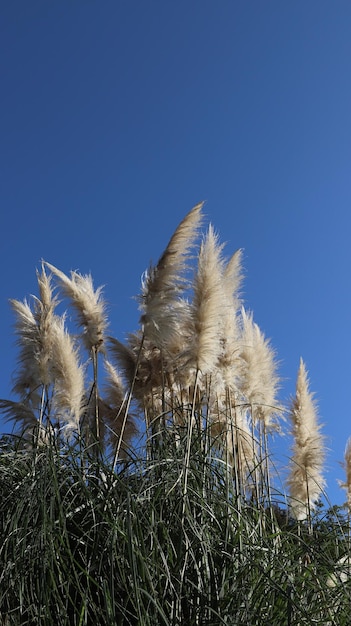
163,284
88,303
306,480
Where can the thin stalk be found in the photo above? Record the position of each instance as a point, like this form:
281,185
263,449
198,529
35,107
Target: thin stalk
42,403
97,443
191,422
309,517
256,461
129,399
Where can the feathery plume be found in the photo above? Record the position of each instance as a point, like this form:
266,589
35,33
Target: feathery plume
245,442
259,382
47,301
112,409
305,480
68,378
88,303
29,376
233,277
225,382
347,465
125,357
207,305
232,433
44,312
230,361
19,412
115,393
141,365
33,329
31,429
162,284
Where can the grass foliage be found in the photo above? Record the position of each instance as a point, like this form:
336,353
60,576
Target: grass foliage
88,546
144,496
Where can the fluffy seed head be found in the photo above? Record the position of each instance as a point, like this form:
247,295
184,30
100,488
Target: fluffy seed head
34,332
306,480
88,304
207,305
259,382
229,360
112,409
163,283
68,377
347,465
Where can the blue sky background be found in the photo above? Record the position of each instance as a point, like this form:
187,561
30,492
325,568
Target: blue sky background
118,116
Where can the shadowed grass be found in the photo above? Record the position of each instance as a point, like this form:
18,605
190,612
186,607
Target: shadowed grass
131,548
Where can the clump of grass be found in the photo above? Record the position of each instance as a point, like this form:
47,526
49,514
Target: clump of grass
138,488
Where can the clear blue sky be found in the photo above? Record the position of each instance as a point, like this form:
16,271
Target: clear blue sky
118,116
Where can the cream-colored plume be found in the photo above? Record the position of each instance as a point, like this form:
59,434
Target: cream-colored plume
260,381
68,375
112,408
230,359
163,283
207,306
88,303
231,432
305,480
34,332
233,277
347,465
125,357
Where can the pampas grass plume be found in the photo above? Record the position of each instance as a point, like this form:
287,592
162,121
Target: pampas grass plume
34,331
347,465
68,376
88,303
229,360
162,284
305,480
113,407
208,304
260,381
